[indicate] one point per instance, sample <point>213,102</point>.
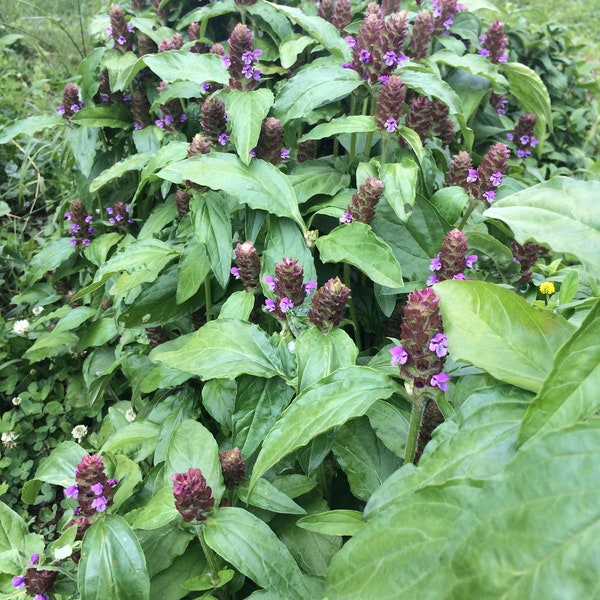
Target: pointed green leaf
<point>496,330</point>
<point>351,124</point>
<point>313,177</point>
<point>112,564</point>
<point>400,186</point>
<point>356,244</point>
<point>137,440</point>
<point>561,212</point>
<point>193,267</point>
<point>248,543</point>
<point>260,185</point>
<point>266,496</point>
<point>157,512</point>
<point>333,522</point>
<point>13,529</point>
<point>246,111</point>
<point>59,467</point>
<point>429,84</point>
<point>570,392</point>
<point>181,65</point>
<point>114,116</point>
<point>135,162</point>
<point>29,126</point>
<point>224,348</point>
<point>331,401</point>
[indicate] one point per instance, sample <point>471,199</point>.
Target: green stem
<point>384,146</point>
<point>416,416</point>
<point>470,209</point>
<point>369,139</point>
<point>207,297</point>
<point>210,559</point>
<point>353,315</point>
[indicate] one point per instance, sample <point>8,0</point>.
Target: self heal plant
<point>523,136</point>
<point>37,582</point>
<point>81,230</point>
<point>363,202</point>
<point>453,258</point>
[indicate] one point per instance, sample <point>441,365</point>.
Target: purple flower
<point>496,179</point>
<point>226,61</point>
<point>34,559</point>
<point>391,125</point>
<point>390,58</point>
<point>122,41</point>
<point>310,286</point>
<point>97,489</point>
<point>168,120</point>
<point>384,79</point>
<point>251,56</point>
<point>524,140</point>
<point>440,380</point>
<point>89,219</point>
<point>131,27</point>
<point>460,276</point>
<point>364,56</point>
<point>436,263</point>
<point>99,503</point>
<point>72,491</point>
<point>350,41</point>
<point>270,281</point>
<point>510,137</point>
<point>159,123</point>
<point>205,87</point>
<point>108,30</point>
<point>399,356</point>
<point>223,139</point>
<point>345,65</point>
<point>472,176</point>
<point>18,582</point>
<point>41,597</point>
<point>105,98</point>
<point>285,304</point>
<point>346,217</point>
<point>235,272</point>
<point>490,195</point>
<point>270,305</point>
<point>484,52</point>
<point>470,260</point>
<point>439,345</point>
<point>285,154</point>
<point>137,126</point>
<point>182,118</point>
<point>523,153</point>
<point>432,279</point>
<point>85,242</point>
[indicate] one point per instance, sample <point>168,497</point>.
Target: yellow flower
<point>547,288</point>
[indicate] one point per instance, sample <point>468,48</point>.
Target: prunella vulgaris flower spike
<point>390,6</point>
<point>389,104</point>
<point>140,107</point>
<point>363,202</point>
<point>38,582</point>
<point>430,117</point>
<point>119,214</point>
<point>121,33</point>
<point>498,102</point>
<point>395,31</point>
<point>213,119</point>
<point>306,151</point>
<point>289,281</point>
<point>329,305</point>
<point>458,170</point>
<point>443,14</point>
<point>182,202</point>
<point>70,101</point>
<point>247,267</point>
<point>452,259</point>
<point>493,43</point>
<point>270,141</point>
<point>523,136</point>
<point>92,488</point>
<point>242,57</point>
<point>490,172</point>
<point>431,419</point>
<point>423,345</point>
<point>420,36</point>
<point>232,466</point>
<point>80,231</point>
<point>342,14</point>
<point>326,9</point>
<point>193,496</point>
<point>366,54</point>
<point>527,255</point>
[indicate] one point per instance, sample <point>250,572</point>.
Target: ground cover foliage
<point>311,312</point>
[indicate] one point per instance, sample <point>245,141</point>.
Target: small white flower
<point>17,400</point>
<point>21,327</point>
<point>130,415</point>
<point>38,310</point>
<point>9,439</point>
<point>292,346</point>
<point>79,432</point>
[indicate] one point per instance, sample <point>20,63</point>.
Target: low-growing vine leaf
<point>498,331</point>
<point>260,185</point>
<point>561,212</point>
<point>246,111</point>
<point>356,244</point>
<point>224,348</point>
<point>534,531</point>
<point>570,392</point>
<point>112,564</point>
<point>331,401</point>
<point>333,522</point>
<point>313,87</point>
<point>249,544</point>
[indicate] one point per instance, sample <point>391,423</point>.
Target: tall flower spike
<point>270,141</point>
<point>289,281</point>
<point>452,259</point>
<point>70,101</point>
<point>490,171</point>
<point>342,15</point>
<point>247,267</point>
<point>93,489</point>
<point>326,9</point>
<point>420,37</point>
<point>421,338</point>
<point>443,14</point>
<point>389,104</point>
<point>241,58</point>
<point>140,107</point>
<point>493,43</point>
<point>363,202</point>
<point>527,255</point>
<point>329,305</point>
<point>366,55</point>
<point>213,119</point>
<point>81,231</point>
<point>524,135</point>
<point>119,30</point>
<point>193,496</point>
<point>395,31</point>
<point>458,170</point>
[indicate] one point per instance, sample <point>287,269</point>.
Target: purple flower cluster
<point>193,497</point>
<point>119,214</point>
<point>242,58</point>
<point>36,582</point>
<point>71,103</point>
<point>363,202</point>
<point>247,262</point>
<point>493,43</point>
<point>443,14</point>
<point>452,259</point>
<point>80,231</point>
<point>523,136</point>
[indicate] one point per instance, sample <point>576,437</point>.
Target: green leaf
<point>158,511</point>
<point>569,393</point>
<point>313,87</point>
<point>400,186</point>
<point>162,546</point>
<point>59,467</point>
<point>533,532</point>
<point>246,111</point>
<point>319,355</point>
<point>266,496</point>
<point>134,162</point>
<point>333,522</point>
<point>181,65</point>
<point>168,584</point>
<point>208,580</point>
<point>493,256</point>
<point>314,177</point>
<point>238,305</point>
<point>356,244</point>
<point>112,564</point>
<point>351,124</point>
<point>428,84</point>
<point>561,212</point>
<point>13,530</point>
<point>475,64</point>
<point>291,48</point>
<point>114,116</point>
<point>345,394</point>
<point>193,267</point>
<point>137,440</point>
<point>224,348</point>
<point>29,126</point>
<point>193,446</point>
<point>260,185</point>
<point>471,89</point>
<point>248,543</point>
<point>50,257</point>
<point>496,330</point>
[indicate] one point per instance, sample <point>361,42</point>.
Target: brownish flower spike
<point>329,305</point>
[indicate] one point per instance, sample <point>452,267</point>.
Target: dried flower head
<point>232,466</point>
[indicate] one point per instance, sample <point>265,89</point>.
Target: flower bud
<point>213,119</point>
<point>363,202</point>
<point>199,145</point>
<point>247,267</point>
<point>233,467</point>
<point>289,281</point>
<point>329,305</point>
<point>389,104</point>
<point>342,15</point>
<point>193,497</point>
<point>306,151</point>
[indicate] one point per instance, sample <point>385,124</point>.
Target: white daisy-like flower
<point>79,432</point>
<point>21,327</point>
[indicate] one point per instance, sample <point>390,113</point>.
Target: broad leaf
<point>59,467</point>
<point>112,564</point>
<point>318,176</point>
<point>29,126</point>
<point>135,162</point>
<point>356,244</point>
<point>248,543</point>
<point>224,348</point>
<point>157,512</point>
<point>561,212</point>
<point>333,522</point>
<point>570,392</point>
<point>266,496</point>
<point>113,116</point>
<point>331,401</point>
<point>400,186</point>
<point>137,440</point>
<point>181,65</point>
<point>496,330</point>
<point>13,529</point>
<point>351,124</point>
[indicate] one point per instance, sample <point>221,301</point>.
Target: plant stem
<point>470,209</point>
<point>210,558</point>
<point>207,297</point>
<point>369,139</point>
<point>353,315</point>
<point>384,146</point>
<point>416,416</point>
